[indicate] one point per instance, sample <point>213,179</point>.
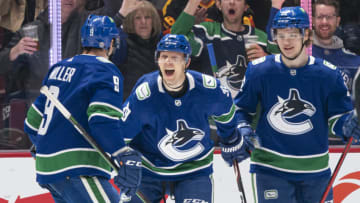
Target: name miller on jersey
<point>62,73</point>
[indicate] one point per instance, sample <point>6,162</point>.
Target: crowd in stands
<point>224,23</point>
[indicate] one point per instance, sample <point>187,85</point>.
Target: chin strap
<point>174,88</point>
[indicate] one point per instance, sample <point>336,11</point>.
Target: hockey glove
<point>129,176</point>
<point>239,145</point>
<point>351,128</point>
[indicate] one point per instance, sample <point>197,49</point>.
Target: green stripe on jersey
<point>226,117</point>
<point>104,108</point>
<point>181,169</point>
<point>33,118</point>
<point>301,164</point>
<point>95,190</point>
<point>66,160</point>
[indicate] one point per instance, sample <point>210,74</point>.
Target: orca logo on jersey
<point>284,110</point>
<point>232,75</point>
<point>183,143</point>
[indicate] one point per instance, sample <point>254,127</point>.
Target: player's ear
<point>188,63</point>
<point>111,49</point>
<point>308,37</point>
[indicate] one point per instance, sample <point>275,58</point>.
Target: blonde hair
<point>146,7</point>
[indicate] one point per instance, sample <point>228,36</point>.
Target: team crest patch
<point>143,91</point>
<point>209,82</point>
<point>281,115</point>
<point>182,143</point>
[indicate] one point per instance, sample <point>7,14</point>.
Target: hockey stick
<point>212,58</point>
<point>235,162</point>
<point>44,90</point>
<point>337,168</point>
<point>356,98</point>
<point>239,181</point>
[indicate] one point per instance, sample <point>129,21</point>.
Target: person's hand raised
<point>200,15</point>
<point>191,7</point>
<point>128,6</point>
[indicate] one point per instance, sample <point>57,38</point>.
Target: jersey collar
<point>189,77</point>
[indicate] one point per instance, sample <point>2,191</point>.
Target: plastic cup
<point>32,32</point>
<point>249,40</point>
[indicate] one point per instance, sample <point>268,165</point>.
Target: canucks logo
<point>232,75</point>
<point>183,143</point>
<point>291,108</point>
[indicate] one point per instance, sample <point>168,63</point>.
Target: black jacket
<point>139,59</point>
<point>29,70</point>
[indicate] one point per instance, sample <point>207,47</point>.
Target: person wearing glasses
<point>302,98</point>
<point>327,45</point>
<point>325,21</point>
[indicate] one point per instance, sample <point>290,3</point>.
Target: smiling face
<point>232,10</point>
<point>290,41</point>
<point>172,66</point>
<point>325,21</point>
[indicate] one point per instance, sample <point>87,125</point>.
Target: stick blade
<point>356,93</point>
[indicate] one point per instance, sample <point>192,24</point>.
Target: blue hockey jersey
<point>173,134</point>
<point>90,87</point>
<point>347,62</point>
<point>299,106</point>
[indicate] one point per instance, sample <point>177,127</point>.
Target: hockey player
<point>90,87</point>
<point>302,97</point>
<point>166,116</point>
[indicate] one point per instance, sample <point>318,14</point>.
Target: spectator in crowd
<point>326,44</point>
<point>302,99</point>
<point>141,31</point>
<point>14,13</point>
<point>207,11</point>
<point>228,40</point>
<point>23,60</point>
